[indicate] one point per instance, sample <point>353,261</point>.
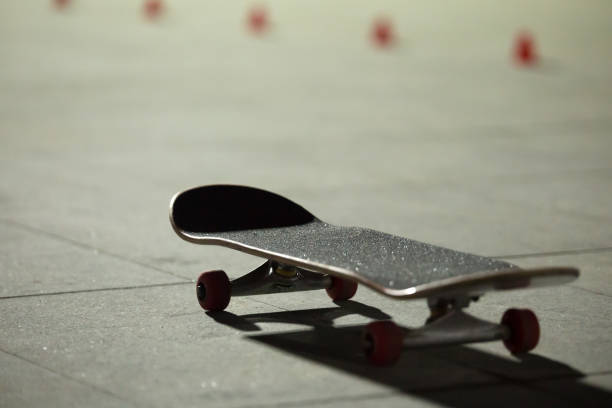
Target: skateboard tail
<point>225,208</point>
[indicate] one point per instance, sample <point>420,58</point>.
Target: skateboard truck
<point>214,289</point>
<point>448,325</point>
<point>383,341</point>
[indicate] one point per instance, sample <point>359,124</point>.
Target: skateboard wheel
<point>213,290</point>
<point>524,330</point>
<point>341,289</point>
<point>383,342</point>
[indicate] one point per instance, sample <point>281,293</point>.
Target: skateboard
<point>303,252</point>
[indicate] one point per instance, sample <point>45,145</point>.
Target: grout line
<point>68,292</point>
<point>562,376</point>
<point>139,263</point>
<point>535,384</point>
<point>186,281</point>
<point>67,377</point>
<point>592,292</point>
<point>554,253</point>
<point>530,383</point>
<point>265,303</point>
<point>88,247</point>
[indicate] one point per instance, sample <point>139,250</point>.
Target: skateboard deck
<point>270,226</point>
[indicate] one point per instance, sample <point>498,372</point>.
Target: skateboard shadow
<point>308,317</point>
<point>458,376</point>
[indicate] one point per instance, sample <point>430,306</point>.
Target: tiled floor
<point>103,116</point>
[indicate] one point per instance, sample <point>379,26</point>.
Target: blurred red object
<point>524,49</point>
<point>257,19</point>
<point>153,8</point>
<point>382,32</point>
<point>60,4</point>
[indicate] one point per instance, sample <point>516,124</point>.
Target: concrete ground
<point>104,115</point>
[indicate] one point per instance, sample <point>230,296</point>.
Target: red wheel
<point>341,289</point>
<point>524,330</point>
<point>383,342</point>
<point>213,290</point>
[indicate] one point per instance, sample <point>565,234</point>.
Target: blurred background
<point>134,100</point>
